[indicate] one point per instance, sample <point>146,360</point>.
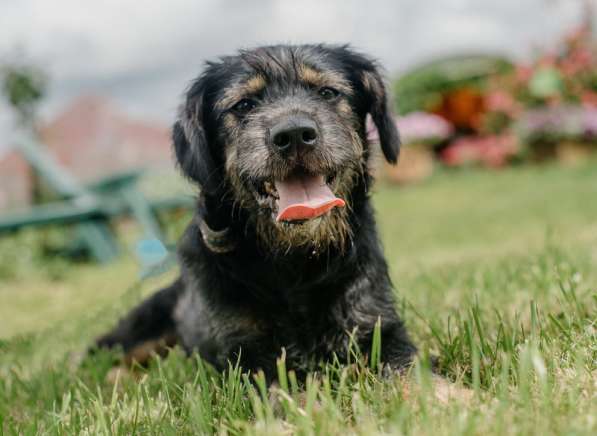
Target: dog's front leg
<point>397,350</point>
<point>147,329</point>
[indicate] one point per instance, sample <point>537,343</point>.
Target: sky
<point>142,54</point>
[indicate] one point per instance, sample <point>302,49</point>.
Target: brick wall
<point>15,182</point>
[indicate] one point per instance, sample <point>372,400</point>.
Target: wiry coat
<point>251,286</point>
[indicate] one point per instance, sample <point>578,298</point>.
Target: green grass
<point>496,274</point>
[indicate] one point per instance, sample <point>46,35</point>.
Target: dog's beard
<point>316,235</point>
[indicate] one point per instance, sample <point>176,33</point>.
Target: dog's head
<point>281,131</point>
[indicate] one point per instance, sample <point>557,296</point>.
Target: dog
<point>282,254</point>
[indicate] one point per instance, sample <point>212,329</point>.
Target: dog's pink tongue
<point>303,197</point>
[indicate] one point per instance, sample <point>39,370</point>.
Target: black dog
<point>283,251</point>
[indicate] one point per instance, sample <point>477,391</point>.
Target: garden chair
<point>89,208</point>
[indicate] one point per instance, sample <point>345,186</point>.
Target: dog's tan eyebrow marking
<point>254,85</point>
<point>319,79</point>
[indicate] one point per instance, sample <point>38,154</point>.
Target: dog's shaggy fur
<point>251,286</point>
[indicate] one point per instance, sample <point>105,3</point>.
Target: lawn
<point>496,275</point>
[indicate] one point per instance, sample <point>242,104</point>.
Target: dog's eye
<point>244,106</point>
<point>328,93</point>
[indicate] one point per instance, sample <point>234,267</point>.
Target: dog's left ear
<point>372,99</point>
<point>377,104</point>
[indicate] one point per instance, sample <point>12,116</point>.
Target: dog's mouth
<point>299,197</point>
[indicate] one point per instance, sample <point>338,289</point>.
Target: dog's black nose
<point>294,133</point>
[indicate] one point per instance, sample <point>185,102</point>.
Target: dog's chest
<point>306,332</point>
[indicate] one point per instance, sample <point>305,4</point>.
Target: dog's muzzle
<point>301,195</point>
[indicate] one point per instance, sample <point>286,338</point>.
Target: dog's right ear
<point>191,146</point>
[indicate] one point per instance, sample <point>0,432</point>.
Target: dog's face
<point>281,131</point>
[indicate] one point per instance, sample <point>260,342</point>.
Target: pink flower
<point>578,61</point>
<point>583,56</point>
<point>417,127</point>
<point>523,73</point>
<point>492,151</point>
<point>501,101</point>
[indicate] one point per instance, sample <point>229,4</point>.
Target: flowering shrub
<point>542,107</point>
<point>558,123</point>
<point>558,81</point>
<point>425,87</point>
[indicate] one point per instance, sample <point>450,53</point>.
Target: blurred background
<point>486,93</point>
